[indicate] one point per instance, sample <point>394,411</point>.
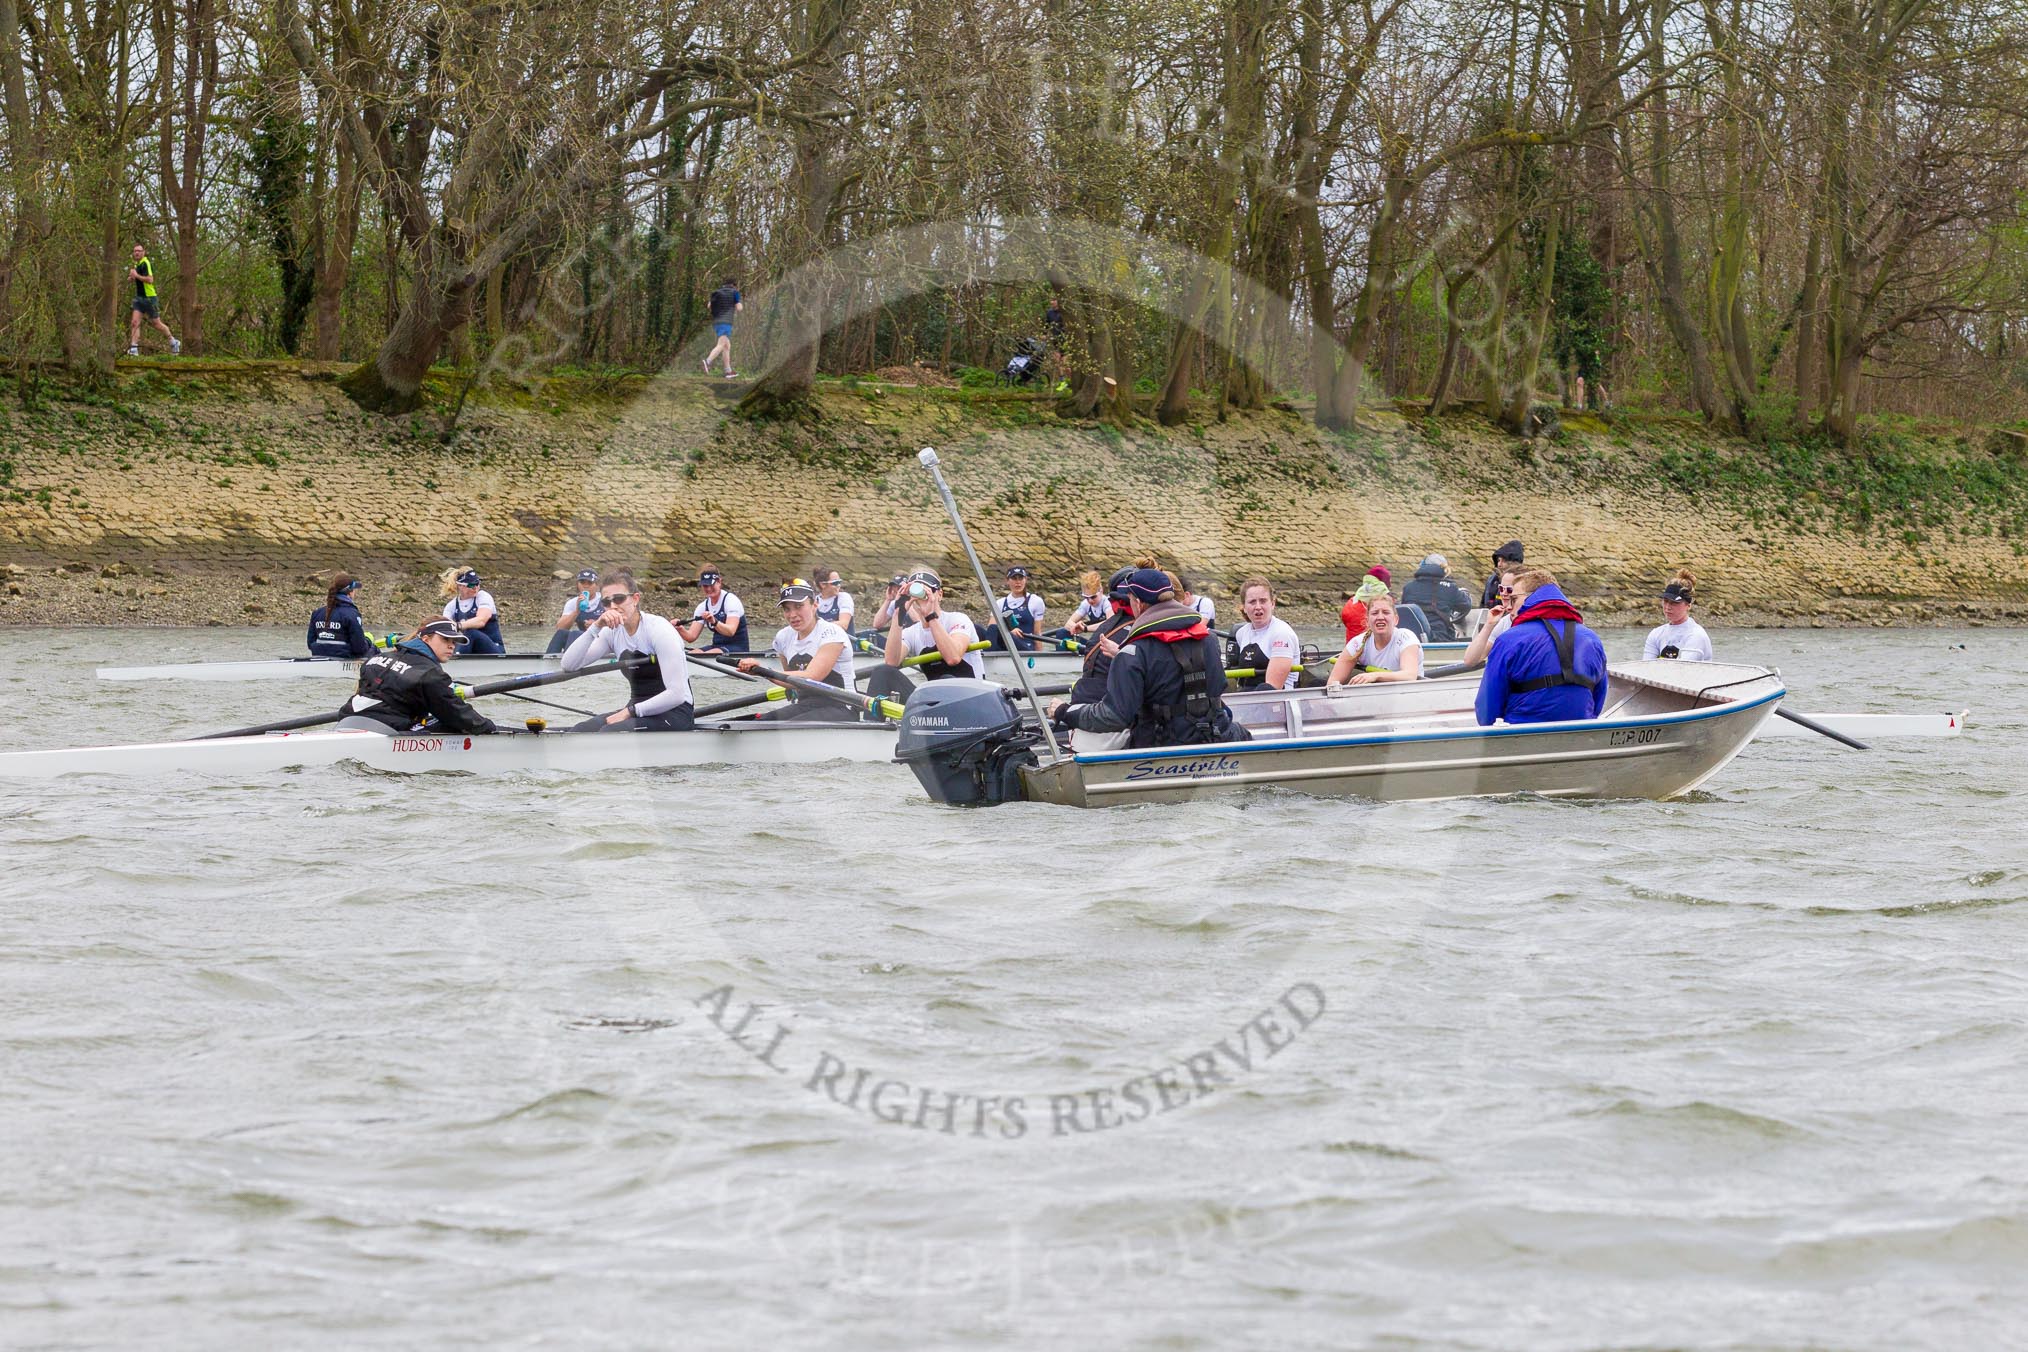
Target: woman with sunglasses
<point>1093,609</point>
<point>659,690</point>
<point>721,612</point>
<point>834,603</point>
<point>814,647</point>
<point>1499,618</point>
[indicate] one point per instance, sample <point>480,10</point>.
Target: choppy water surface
<point>341,1058</point>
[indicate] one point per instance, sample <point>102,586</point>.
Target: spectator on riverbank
<point>725,303</point>
<point>147,305</point>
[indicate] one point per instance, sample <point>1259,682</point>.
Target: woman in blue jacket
<point>335,628</point>
<point>1548,668</point>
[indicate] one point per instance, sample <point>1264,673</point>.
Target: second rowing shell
<point>999,666</point>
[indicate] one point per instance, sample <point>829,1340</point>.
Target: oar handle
<point>851,699</point>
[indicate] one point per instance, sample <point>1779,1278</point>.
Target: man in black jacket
<point>407,689</point>
<point>1165,685</point>
<point>1443,601</point>
<point>1506,556</point>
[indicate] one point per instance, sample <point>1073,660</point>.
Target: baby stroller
<point>1026,363</point>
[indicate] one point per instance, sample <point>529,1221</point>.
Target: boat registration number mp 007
<point>1633,736</point>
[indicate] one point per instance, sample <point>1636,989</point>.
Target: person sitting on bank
<point>719,612</point>
<point>578,612</point>
<point>1353,615</point>
<point>473,611</point>
<point>1499,619</point>
<point>1263,643</point>
<point>1548,668</point>
<point>1385,652</point>
<point>813,647</point>
<point>1166,685</point>
<point>335,627</point>
<point>1444,603</point>
<point>1505,559</point>
<point>406,688</point>
<point>921,626</point>
<point>1021,609</point>
<point>1679,635</point>
<point>658,690</point>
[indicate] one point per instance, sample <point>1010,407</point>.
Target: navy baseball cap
<point>469,578</point>
<point>1676,591</point>
<point>1148,584</point>
<point>587,575</point>
<point>441,629</point>
<point>1017,571</point>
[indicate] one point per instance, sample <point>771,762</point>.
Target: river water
<point>338,1058</point>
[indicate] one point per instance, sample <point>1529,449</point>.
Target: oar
<point>1814,726</point>
<point>920,659</point>
<point>499,687</point>
<point>726,706</point>
<point>851,699</point>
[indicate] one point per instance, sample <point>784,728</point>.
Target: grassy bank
<point>164,496</point>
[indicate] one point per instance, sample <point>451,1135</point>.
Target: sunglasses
<point>615,599</point>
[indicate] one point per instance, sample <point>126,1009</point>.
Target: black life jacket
<point>1202,715</point>
<point>1252,655</point>
<point>1566,648</point>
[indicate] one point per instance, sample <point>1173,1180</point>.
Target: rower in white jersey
<point>1203,605</point>
<point>946,636</point>
<point>660,690</point>
<point>1264,643</point>
<point>834,603</point>
<point>817,649</point>
<point>1681,637</point>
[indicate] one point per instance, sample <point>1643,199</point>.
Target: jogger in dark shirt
<point>724,305</point>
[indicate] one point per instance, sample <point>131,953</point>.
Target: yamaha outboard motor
<point>964,740</point>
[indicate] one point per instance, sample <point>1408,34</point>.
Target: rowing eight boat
<point>732,742</point>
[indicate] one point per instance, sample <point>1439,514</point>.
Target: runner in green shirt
<point>145,305</point>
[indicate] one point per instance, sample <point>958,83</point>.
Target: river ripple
<point>342,1058</point>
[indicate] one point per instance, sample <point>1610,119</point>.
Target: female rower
<point>335,630</point>
<point>721,611</point>
<point>1681,636</point>
<point>1022,609</point>
<point>891,604</point>
<point>1266,644</point>
<point>579,611</point>
<point>1093,609</point>
<point>922,626</point>
<point>814,647</point>
<point>406,688</point>
<point>473,611</point>
<point>834,603</point>
<point>659,689</point>
<point>1203,605</point>
<point>1385,652</point>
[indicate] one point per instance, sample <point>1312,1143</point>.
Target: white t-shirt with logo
<point>787,647</point>
<point>842,603</point>
<point>916,639</point>
<point>482,600</point>
<point>1692,644</point>
<point>1369,656</point>
<point>1277,640</point>
<point>734,612</point>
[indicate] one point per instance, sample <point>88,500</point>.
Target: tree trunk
<point>393,381</point>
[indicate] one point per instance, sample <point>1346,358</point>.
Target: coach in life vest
<point>1548,668</point>
<point>1165,685</point>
